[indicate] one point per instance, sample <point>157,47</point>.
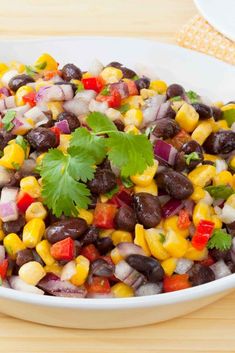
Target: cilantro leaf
<point>220,191</point>
<point>41,66</point>
<point>80,87</point>
<point>60,190</point>
<point>81,165</point>
<point>93,145</point>
<point>229,116</point>
<point>105,91</point>
<point>162,237</point>
<point>194,156</point>
<point>176,99</point>
<point>220,240</point>
<point>131,153</point>
<point>22,143</point>
<point>112,192</point>
<point>124,108</point>
<point>192,96</point>
<point>7,120</point>
<point>127,182</point>
<point>30,70</point>
<point>15,165</point>
<point>100,123</point>
<point>136,77</point>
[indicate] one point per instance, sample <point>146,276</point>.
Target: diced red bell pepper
<point>207,262</point>
<point>104,215</point>
<point>24,200</point>
<point>113,99</point>
<point>99,285</point>
<point>202,234</point>
<point>183,220</point>
<point>57,133</point>
<point>90,252</point>
<point>132,89</point>
<point>63,250</point>
<point>30,99</point>
<point>94,83</point>
<point>3,269</point>
<point>176,282</point>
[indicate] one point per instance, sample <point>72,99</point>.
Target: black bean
<point>127,73</point>
<point>190,147</point>
<point>38,258</point>
<point>93,202</point>
<point>5,137</point>
<point>200,274</point>
<point>125,219</point>
<point>231,266</point>
<point>219,254</point>
<point>20,80</point>
<point>148,210</point>
<point>166,128</point>
<point>41,139</point>
<point>102,268</point>
<point>90,236</point>
<point>114,64</point>
<point>13,226</point>
<point>175,184</point>
<point>175,90</point>
<point>71,118</point>
<point>71,72</point>
<point>72,227</point>
<point>208,163</point>
<point>24,256</point>
<point>149,267</point>
<point>143,82</point>
<point>119,124</point>
<point>104,181</point>
<point>220,142</point>
<point>104,245</point>
<point>50,122</point>
<point>231,228</point>
<point>204,111</point>
<point>217,113</point>
<point>180,162</point>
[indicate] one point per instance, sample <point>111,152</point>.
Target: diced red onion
<point>63,126</point>
<point>183,266</point>
<point>9,194</point>
<point>37,116</point>
<point>171,208</point>
<point>95,67</point>
<point>101,268</point>
<point>121,87</point>
<point>2,253</point>
<point>165,151</point>
<point>5,91</point>
<point>68,271</point>
<point>54,93</point>
<point>7,103</point>
<point>20,124</point>
<point>125,198</point>
<point>17,284</point>
<point>163,110</point>
<point>5,176</point>
<point>163,197</point>
<point>128,275</point>
<point>87,94</point>
<point>125,249</point>
<point>149,289</point>
<point>220,269</point>
<point>151,108</point>
<point>54,286</point>
<point>41,94</point>
<point>95,106</point>
<point>8,211</point>
<point>189,206</point>
<point>77,106</point>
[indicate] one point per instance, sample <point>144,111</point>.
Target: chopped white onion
<point>8,211</point>
<point>5,176</point>
<point>218,210</point>
<point>183,266</point>
<point>37,116</point>
<point>113,114</point>
<point>148,289</point>
<point>95,106</point>
<point>125,249</point>
<point>8,76</point>
<point>220,269</point>
<point>128,275</point>
<point>87,94</point>
<point>68,271</point>
<point>9,194</point>
<point>151,108</point>
<point>95,67</point>
<point>19,110</point>
<point>7,103</point>
<point>17,283</point>
<point>207,199</point>
<point>220,165</point>
<point>228,214</point>
<point>77,106</point>
<point>2,253</point>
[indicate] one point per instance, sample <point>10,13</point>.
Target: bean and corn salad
<point>112,184</point>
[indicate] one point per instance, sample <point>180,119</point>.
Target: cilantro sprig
<point>220,191</point>
<point>194,156</point>
<point>220,240</point>
<point>8,120</point>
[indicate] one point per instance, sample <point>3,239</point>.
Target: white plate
<point>173,64</point>
<point>220,14</point>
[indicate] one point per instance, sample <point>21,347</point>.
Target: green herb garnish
<point>105,91</point>
<point>80,87</point>
<point>162,237</point>
<point>22,143</point>
<point>136,77</point>
<point>220,240</point>
<point>41,66</point>
<point>194,156</point>
<point>124,108</point>
<point>7,120</point>
<point>192,96</point>
<point>229,116</point>
<point>15,165</point>
<point>176,99</point>
<point>30,70</point>
<point>112,192</point>
<point>127,182</point>
<point>220,191</point>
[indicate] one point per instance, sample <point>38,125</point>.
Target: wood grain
<point>208,330</point>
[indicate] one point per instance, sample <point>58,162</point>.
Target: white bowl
<point>195,71</point>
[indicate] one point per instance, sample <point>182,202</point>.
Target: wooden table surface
<point>208,330</point>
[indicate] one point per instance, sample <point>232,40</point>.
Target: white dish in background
<point>220,14</point>
<point>194,71</point>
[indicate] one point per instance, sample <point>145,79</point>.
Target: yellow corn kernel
<point>217,221</point>
<point>202,175</point>
<point>45,62</point>
<point>13,156</point>
<point>35,210</point>
<point>146,177</point>
<point>202,131</point>
<point>201,211</point>
<point>82,270</point>
<point>132,129</point>
<point>218,104</point>
<point>198,194</point>
<point>76,82</point>
<point>154,241</point>
<point>175,244</point>
<point>115,256</point>
<point>150,189</point>
<point>133,117</point>
<point>221,124</point>
<point>172,223</point>
<point>228,107</point>
<point>121,290</point>
<point>111,74</point>
<point>20,93</point>
<point>31,186</point>
<point>210,157</point>
<point>13,244</point>
<point>231,201</point>
<point>134,101</point>
<point>223,178</point>
<point>159,86</point>
<point>177,105</point>
<point>3,68</point>
<point>120,236</point>
<point>196,255</point>
<point>140,239</point>
<point>106,233</point>
<point>187,117</point>
<point>64,142</point>
<point>33,232</point>
<point>86,75</point>
<point>43,250</point>
<point>54,268</point>
<point>147,93</point>
<point>56,108</point>
<point>232,163</point>
<point>86,215</point>
<point>169,266</point>
<point>2,235</point>
<point>32,272</point>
